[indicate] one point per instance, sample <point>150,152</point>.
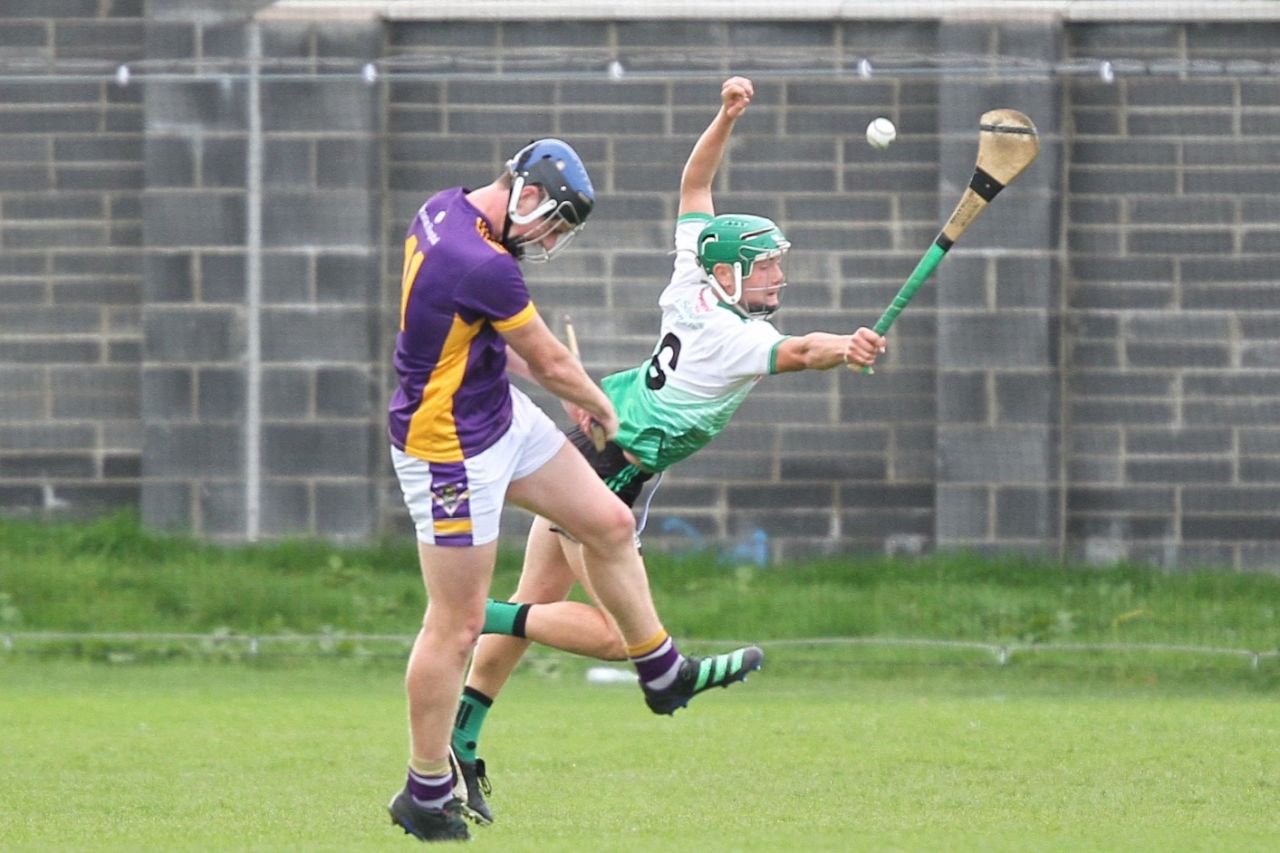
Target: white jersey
<point>707,360</point>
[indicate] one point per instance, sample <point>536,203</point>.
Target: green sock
<point>505,617</point>
<point>466,726</point>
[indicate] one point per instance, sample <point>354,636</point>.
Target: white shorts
<point>460,503</point>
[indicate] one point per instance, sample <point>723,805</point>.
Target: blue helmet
<point>553,165</point>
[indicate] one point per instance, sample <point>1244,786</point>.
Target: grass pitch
<point>811,754</point>
<point>159,745</point>
<point>111,575</point>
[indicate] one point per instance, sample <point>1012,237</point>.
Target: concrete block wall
<point>808,455</point>
<point>998,483</point>
<point>264,263</point>
<point>1171,326</point>
<point>71,259</point>
<point>1091,374</point>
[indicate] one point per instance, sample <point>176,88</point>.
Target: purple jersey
<point>459,290</point>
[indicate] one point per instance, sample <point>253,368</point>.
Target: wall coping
<point>771,10</point>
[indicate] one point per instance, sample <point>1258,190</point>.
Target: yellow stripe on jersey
<point>412,263</point>
<point>433,433</point>
<point>517,320</point>
<point>452,527</point>
<point>482,228</point>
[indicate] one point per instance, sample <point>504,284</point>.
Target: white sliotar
<point>880,133</point>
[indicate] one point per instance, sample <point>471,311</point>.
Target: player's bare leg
<point>571,626</point>
<point>544,577</point>
<point>552,564</point>
<point>577,628</point>
<point>545,580</point>
<point>547,575</point>
<point>572,496</point>
<point>583,629</point>
<point>567,492</point>
<point>457,583</point>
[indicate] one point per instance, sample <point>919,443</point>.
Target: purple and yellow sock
<point>657,661</point>
<point>430,783</point>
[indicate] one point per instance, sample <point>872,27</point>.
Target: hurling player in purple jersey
<point>464,441</point>
<point>715,343</point>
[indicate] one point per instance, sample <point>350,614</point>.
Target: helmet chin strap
<point>737,301</point>
<point>547,205</point>
<point>512,195</point>
<point>737,286</point>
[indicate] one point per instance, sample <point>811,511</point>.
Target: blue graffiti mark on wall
<point>753,548</point>
<point>680,527</point>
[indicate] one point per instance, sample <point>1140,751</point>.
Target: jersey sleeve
<point>496,291</point>
<point>686,271</point>
<point>752,351</point>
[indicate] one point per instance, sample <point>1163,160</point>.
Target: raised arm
<point>704,160</point>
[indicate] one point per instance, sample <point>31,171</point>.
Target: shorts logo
<point>448,496</point>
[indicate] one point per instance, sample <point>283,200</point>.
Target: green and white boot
<point>699,674</point>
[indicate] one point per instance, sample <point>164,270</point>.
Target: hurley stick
<point>571,337</point>
<point>1007,144</point>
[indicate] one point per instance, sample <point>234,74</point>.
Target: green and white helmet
<point>739,240</point>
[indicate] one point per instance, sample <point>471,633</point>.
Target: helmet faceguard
<point>740,240</point>
<point>567,199</point>
<point>764,311</point>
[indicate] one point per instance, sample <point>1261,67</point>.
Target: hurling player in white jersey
<point>715,344</point>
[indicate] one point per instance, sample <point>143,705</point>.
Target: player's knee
<point>470,632</point>
<point>615,527</point>
<point>456,635</point>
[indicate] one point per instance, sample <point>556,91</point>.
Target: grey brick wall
<point>71,259</point>
<point>1092,373</point>
<point>289,343</point>
<point>1170,403</point>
